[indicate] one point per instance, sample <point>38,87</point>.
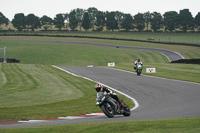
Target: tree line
<point>93,19</point>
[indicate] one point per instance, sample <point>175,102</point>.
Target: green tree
<point>19,21</point>
<point>46,22</point>
<point>66,18</point>
<point>186,21</point>
<point>120,17</point>
<point>111,21</point>
<point>86,21</point>
<point>73,22</point>
<point>147,19</point>
<point>170,20</point>
<point>100,23</point>
<point>59,21</point>
<point>92,15</point>
<point>156,21</point>
<point>3,19</point>
<point>197,20</point>
<point>139,21</point>
<point>32,22</point>
<point>127,22</point>
<point>79,16</point>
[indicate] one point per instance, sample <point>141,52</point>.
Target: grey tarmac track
<point>158,98</point>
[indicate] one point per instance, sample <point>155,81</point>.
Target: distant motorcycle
<point>110,106</point>
<point>138,68</point>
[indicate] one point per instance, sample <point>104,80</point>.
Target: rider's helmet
<point>138,59</point>
<point>98,87</point>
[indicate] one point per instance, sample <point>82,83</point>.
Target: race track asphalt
<point>158,98</point>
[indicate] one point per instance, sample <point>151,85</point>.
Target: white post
<point>4,55</point>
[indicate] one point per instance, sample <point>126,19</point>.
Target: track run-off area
<point>154,97</point>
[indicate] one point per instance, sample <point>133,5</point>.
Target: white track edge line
<point>165,56</point>
<point>133,100</point>
<point>179,54</point>
<point>156,77</point>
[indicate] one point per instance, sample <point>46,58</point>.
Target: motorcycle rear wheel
<point>127,111</point>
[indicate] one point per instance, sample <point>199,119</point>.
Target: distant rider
<point>138,61</point>
<point>101,88</point>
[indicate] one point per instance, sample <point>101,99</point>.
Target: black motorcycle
<point>110,106</point>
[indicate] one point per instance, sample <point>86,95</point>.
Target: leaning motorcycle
<point>110,106</point>
<point>139,69</point>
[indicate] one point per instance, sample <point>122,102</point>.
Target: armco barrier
<point>8,60</point>
<point>187,61</point>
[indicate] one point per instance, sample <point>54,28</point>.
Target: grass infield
<point>181,125</point>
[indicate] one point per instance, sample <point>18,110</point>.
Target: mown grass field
<point>34,89</point>
<point>187,51</point>
<point>30,91</point>
<point>191,38</point>
<point>158,37</point>
<point>181,125</point>
<point>73,55</point>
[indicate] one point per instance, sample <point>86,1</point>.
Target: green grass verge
<point>159,37</point>
<point>181,125</point>
<point>186,72</point>
<point>42,91</point>
<point>29,85</point>
<point>74,54</point>
<point>187,51</point>
<point>190,38</point>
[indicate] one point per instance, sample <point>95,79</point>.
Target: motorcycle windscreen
<point>139,66</point>
<point>99,96</point>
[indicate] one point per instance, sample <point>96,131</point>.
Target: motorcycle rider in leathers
<point>136,62</point>
<point>101,88</point>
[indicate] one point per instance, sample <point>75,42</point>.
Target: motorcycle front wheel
<point>138,73</point>
<point>108,110</point>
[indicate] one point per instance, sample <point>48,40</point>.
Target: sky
<point>52,7</point>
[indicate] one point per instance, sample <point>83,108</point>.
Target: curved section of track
<point>172,56</point>
<point>158,98</point>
